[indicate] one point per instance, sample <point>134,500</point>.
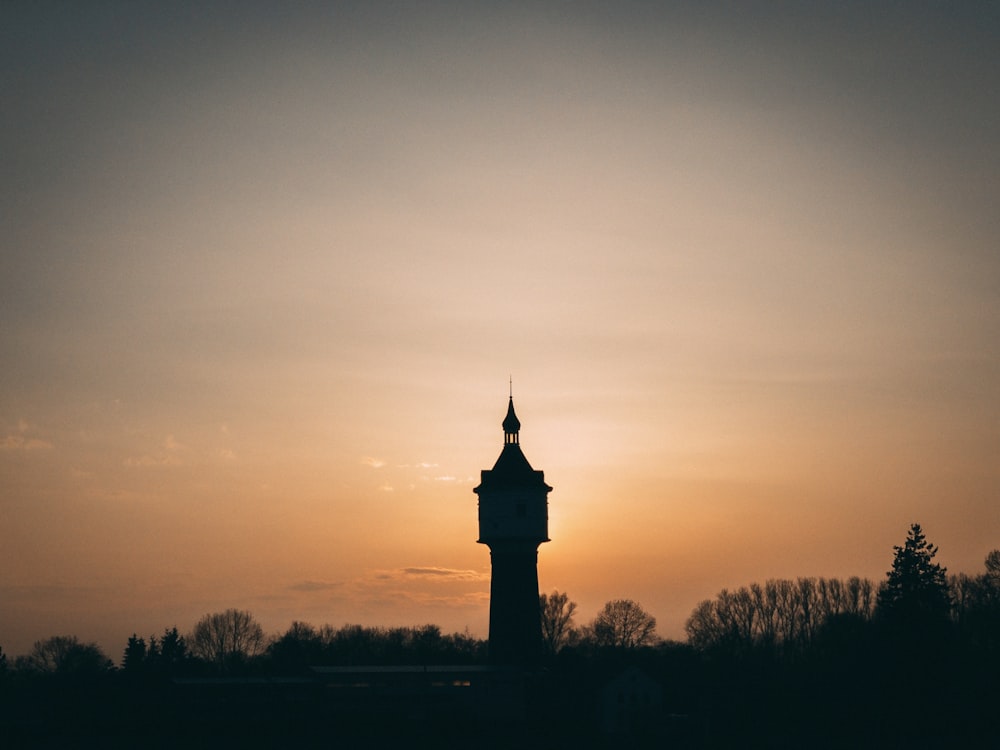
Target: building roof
<point>511,424</point>
<point>512,470</point>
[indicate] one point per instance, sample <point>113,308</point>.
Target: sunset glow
<point>265,276</point>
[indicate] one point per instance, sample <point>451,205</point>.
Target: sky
<point>268,271</point>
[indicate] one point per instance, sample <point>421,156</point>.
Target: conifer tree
<point>916,590</point>
<point>134,658</point>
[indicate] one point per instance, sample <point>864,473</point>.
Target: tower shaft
<point>515,619</point>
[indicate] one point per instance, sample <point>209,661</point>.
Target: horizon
<point>268,273</point>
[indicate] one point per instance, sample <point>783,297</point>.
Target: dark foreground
<point>665,697</point>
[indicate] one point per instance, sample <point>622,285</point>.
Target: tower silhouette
<point>513,521</point>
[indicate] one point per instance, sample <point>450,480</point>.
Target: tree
<point>358,644</point>
<point>976,601</point>
<point>623,624</point>
<point>136,653</point>
<point>300,646</point>
<point>916,589</point>
<point>782,614</point>
<point>993,567</point>
<point>915,643</point>
<point>557,621</point>
<point>64,654</point>
<point>172,652</point>
<point>227,639</point>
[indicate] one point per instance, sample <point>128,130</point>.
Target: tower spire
<point>511,424</point>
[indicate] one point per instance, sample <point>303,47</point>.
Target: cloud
<point>434,573</point>
<point>22,443</point>
<point>375,463</point>
<point>152,460</point>
<point>445,479</point>
<point>409,593</point>
<point>166,456</point>
<point>385,487</point>
<point>424,584</point>
<point>392,599</point>
<point>310,586</point>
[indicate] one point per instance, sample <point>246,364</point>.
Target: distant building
<point>513,521</point>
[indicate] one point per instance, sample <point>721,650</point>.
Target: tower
<point>513,521</point>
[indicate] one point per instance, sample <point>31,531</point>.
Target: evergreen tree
<point>916,589</point>
<point>134,658</point>
<point>915,653</point>
<point>173,651</point>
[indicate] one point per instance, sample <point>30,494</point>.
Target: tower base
<point>515,618</point>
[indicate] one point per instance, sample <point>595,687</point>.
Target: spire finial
<point>510,379</point>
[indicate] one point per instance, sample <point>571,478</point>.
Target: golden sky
<point>265,273</point>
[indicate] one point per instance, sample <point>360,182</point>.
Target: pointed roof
<point>511,424</point>
<point>513,465</point>
<point>511,471</point>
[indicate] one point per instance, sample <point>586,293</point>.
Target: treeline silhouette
<point>819,662</point>
<point>780,614</point>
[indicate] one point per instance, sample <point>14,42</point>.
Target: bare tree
<point>993,566</point>
<point>624,624</point>
<point>557,620</point>
<point>65,654</point>
<point>976,602</point>
<point>227,639</point>
<point>781,613</point>
<point>705,627</point>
